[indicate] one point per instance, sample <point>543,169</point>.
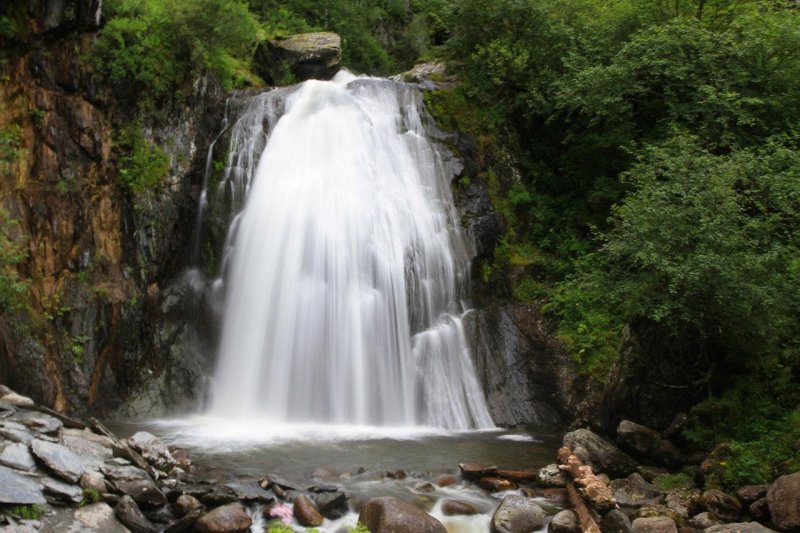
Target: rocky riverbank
<point>62,474</point>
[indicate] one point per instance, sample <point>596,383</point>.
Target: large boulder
<point>599,453</point>
<point>783,498</point>
<point>637,437</point>
<point>231,518</point>
<point>392,515</point>
<point>517,514</point>
<point>129,514</point>
<point>99,517</point>
<point>304,56</point>
<point>615,521</point>
<point>743,527</point>
<point>635,492</point>
<point>723,506</point>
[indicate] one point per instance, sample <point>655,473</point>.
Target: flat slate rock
<point>17,455</point>
<point>15,431</point>
<point>91,454</point>
<point>40,422</point>
<point>251,493</point>
<point>58,459</point>
<point>16,489</point>
<point>62,492</point>
<point>123,472</point>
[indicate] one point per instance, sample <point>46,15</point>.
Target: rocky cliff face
<point>103,309</point>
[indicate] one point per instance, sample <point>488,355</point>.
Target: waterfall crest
<point>346,271</point>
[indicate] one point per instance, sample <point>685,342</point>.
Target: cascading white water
<point>345,270</point>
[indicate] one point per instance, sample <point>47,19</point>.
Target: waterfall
<point>345,272</point>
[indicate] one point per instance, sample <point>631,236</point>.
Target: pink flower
<point>284,512</point>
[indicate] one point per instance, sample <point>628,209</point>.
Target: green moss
<point>25,512</point>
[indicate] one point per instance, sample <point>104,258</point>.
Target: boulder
<point>306,513</point>
<point>517,514</point>
<point>637,437</point>
<point>783,499</point>
<point>16,489</point>
<point>99,517</point>
<point>656,524</point>
<point>331,505</point>
<point>702,520</point>
<point>723,506</point>
<point>17,400</point>
<point>186,521</point>
<point>15,432</point>
<point>662,511</point>
<point>143,491</point>
<point>684,502</point>
<point>667,454</point>
<point>129,514</point>
<point>152,449</point>
<point>615,521</point>
<point>564,522</point>
<point>496,484</point>
<point>742,527</point>
<point>62,492</point>
<point>231,518</point>
<point>456,508</point>
<point>634,491</point>
<point>474,471</point>
<point>759,510</point>
<point>550,476</point>
<point>17,455</point>
<point>58,459</point>
<point>94,481</point>
<point>91,453</point>
<point>599,453</point>
<point>518,476</point>
<point>392,515</point>
<point>185,504</point>
<point>304,56</point>
<point>748,494</point>
<point>713,465</point>
<point>445,480</point>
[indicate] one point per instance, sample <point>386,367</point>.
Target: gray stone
<point>307,56</point>
<point>392,515</point>
<point>231,518</point>
<point>58,459</point>
<point>517,514</point>
<point>655,524</point>
<point>17,455</point>
<point>332,505</point>
<point>99,517</point>
<point>748,494</point>
<point>616,521</point>
<point>637,437</point>
<point>92,454</point>
<point>565,522</point>
<point>759,510</point>
<point>123,472</point>
<point>143,491</point>
<point>635,492</point>
<point>186,521</point>
<point>783,498</point>
<point>16,489</point>
<point>14,431</point>
<point>152,449</point>
<point>250,492</point>
<point>742,527</point>
<point>62,492</point>
<point>550,476</point>
<point>129,514</point>
<point>599,453</point>
<point>39,422</point>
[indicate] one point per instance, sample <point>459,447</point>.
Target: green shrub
<point>142,165</point>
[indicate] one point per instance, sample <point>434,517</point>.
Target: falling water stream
<point>347,272</point>
<point>344,281</point>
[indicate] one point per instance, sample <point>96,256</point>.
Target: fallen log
<point>585,516</point>
<point>596,492</point>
